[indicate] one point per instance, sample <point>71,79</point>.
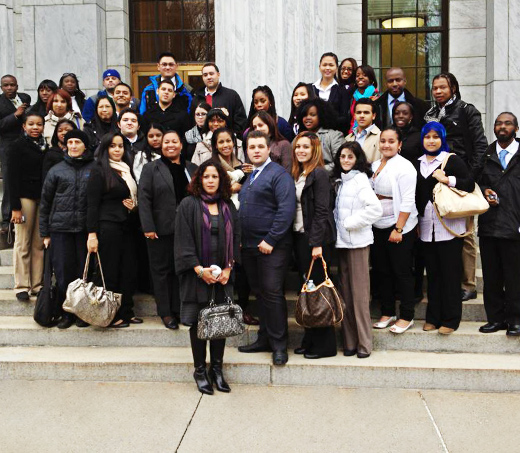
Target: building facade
<point>273,42</point>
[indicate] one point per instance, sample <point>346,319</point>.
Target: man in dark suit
<point>12,109</point>
<point>499,228</point>
<point>396,91</point>
<point>267,208</point>
<point>221,97</point>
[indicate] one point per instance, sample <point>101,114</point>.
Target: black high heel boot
<point>202,380</point>
<point>216,376</point>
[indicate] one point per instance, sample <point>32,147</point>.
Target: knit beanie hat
<point>76,133</point>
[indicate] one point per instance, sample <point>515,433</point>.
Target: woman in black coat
<point>314,231</point>
<point>207,232</point>
<point>402,116</point>
<point>103,122</point>
<point>111,222</point>
<point>25,158</point>
<point>162,186</point>
<point>63,216</point>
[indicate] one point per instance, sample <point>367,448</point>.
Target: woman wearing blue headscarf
<point>441,240</point>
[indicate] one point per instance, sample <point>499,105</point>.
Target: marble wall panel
<point>514,39</point>
<point>275,42</point>
<point>467,42</point>
<point>469,71</point>
<point>349,18</point>
<point>7,58</point>
<point>467,13</point>
<point>501,96</point>
<point>29,51</point>
<point>117,5</point>
<point>476,95</point>
<point>77,47</point>
<point>497,40</point>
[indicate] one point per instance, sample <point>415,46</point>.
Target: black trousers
<point>444,272</point>
<point>321,340</point>
<point>199,348</point>
<point>119,262</point>
<point>393,263</point>
<point>165,281</point>
<point>242,286</point>
<point>501,272</point>
<point>6,204</point>
<point>68,255</point>
<point>266,275</point>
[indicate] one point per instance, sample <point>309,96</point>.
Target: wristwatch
<point>399,230</point>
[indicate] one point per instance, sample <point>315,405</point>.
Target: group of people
<point>167,187</point>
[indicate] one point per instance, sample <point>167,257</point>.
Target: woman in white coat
<point>357,208</point>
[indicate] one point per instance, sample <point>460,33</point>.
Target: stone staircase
<point>466,360</point>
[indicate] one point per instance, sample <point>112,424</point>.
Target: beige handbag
<point>453,203</point>
<point>92,304</point>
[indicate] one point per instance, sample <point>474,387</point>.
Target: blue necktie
<point>253,176</point>
<point>502,156</point>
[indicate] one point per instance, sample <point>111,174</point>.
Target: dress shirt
<point>360,138</point>
<point>324,93</point>
<point>17,102</point>
<point>511,150</point>
<point>431,228</point>
<point>391,103</point>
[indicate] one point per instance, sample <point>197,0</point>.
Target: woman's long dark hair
<point>78,93</point>
<point>294,110</point>
<point>100,126</point>
<point>102,157</point>
<point>274,133</point>
<point>326,114</point>
<point>41,106</point>
<point>54,139</point>
<point>224,186</point>
<point>148,150</point>
<point>369,72</point>
<point>361,164</point>
<point>212,113</point>
<point>351,80</point>
<point>214,138</point>
<point>272,105</point>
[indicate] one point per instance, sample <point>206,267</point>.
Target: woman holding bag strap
<point>442,249</point>
<point>313,231</point>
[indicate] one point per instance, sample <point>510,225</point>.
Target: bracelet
<point>200,273</point>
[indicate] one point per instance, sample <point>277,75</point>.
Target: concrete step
<point>6,257</point>
<point>23,331</point>
<point>385,369</point>
<point>6,277</point>
<point>472,310</point>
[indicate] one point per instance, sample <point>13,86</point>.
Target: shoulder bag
<point>92,304</point>
<point>321,306</point>
<point>47,309</point>
<point>218,321</point>
<point>452,203</point>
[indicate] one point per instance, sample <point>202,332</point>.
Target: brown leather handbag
<point>320,306</point>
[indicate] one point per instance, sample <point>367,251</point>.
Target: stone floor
<point>64,416</point>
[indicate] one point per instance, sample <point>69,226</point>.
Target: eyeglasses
<point>201,114</point>
<point>165,65</point>
<point>346,69</point>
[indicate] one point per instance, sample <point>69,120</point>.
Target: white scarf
<point>124,169</point>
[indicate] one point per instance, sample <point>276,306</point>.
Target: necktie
<point>502,156</point>
<point>209,99</point>
<point>253,176</point>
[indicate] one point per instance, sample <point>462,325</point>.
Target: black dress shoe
<point>217,378</point>
<point>513,330</point>
<point>299,351</point>
<point>467,295</point>
<point>309,355</point>
<point>349,352</point>
<point>66,322</point>
<point>170,322</point>
<point>23,296</point>
<point>81,323</point>
<point>255,347</point>
<point>120,325</point>
<point>135,320</point>
<point>491,327</point>
<point>363,355</point>
<point>201,379</point>
<point>280,358</point>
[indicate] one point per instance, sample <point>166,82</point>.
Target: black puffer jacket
<point>63,205</point>
<point>465,132</point>
<point>502,221</point>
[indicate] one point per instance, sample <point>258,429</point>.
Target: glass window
<point>411,34</point>
<point>184,27</point>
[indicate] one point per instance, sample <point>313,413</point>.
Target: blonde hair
<point>316,159</point>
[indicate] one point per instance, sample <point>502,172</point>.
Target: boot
<point>202,381</point>
<point>66,321</point>
<point>217,378</point>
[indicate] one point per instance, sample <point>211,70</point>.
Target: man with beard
<point>499,228</point>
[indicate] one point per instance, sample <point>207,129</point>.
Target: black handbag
<point>218,321</point>
<point>47,309</point>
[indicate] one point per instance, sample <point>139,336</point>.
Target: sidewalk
<point>57,416</point>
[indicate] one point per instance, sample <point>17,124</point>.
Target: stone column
<point>118,37</point>
<point>503,64</point>
<point>7,38</point>
<point>272,42</point>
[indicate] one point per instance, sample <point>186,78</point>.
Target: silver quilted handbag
<point>92,304</point>
<point>218,321</point>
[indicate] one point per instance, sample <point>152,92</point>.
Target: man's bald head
<point>395,81</point>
